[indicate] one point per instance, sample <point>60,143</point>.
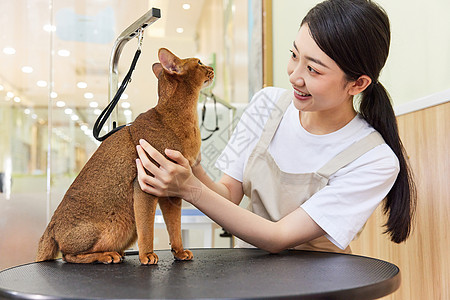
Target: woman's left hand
<point>170,179</point>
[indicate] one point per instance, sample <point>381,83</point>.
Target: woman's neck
<point>325,122</point>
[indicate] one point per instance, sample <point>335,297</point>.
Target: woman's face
<point>319,84</point>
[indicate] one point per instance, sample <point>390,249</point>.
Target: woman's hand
<point>169,179</point>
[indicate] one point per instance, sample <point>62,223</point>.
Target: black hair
<point>356,35</point>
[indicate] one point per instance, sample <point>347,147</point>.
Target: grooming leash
<point>101,120</point>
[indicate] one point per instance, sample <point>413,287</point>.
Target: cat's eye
<point>200,63</point>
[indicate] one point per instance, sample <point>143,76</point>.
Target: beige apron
<point>274,194</point>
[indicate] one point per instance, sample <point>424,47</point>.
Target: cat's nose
<point>211,73</point>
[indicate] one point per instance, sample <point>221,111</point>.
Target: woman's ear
<point>359,85</point>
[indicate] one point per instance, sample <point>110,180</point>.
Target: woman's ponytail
<point>400,203</point>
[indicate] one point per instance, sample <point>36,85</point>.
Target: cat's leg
<point>144,213</point>
<point>171,209</point>
<point>102,257</point>
<point>118,234</point>
<point>79,244</point>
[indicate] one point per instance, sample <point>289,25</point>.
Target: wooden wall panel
<point>424,259</point>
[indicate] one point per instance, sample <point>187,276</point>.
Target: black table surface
<point>213,273</point>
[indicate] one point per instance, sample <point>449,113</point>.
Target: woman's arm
<point>177,180</point>
<point>227,186</point>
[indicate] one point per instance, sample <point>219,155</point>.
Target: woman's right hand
<point>171,178</point>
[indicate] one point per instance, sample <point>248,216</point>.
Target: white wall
<point>419,59</point>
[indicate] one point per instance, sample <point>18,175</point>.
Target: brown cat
<point>105,210</point>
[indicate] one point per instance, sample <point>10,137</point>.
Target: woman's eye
<point>312,70</point>
<point>293,54</point>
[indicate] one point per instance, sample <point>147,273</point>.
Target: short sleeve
<point>353,193</point>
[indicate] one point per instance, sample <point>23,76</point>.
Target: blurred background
<point>54,73</point>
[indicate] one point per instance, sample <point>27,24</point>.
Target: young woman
<point>313,167</point>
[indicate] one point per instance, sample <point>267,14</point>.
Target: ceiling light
<point>97,111</point>
<point>180,30</point>
<point>186,6</point>
<point>68,111</point>
<point>34,116</point>
<point>74,118</point>
<point>60,103</point>
<point>53,95</point>
<point>9,50</point>
<point>49,27</point>
<point>27,111</point>
<point>93,104</point>
<point>16,99</point>
<point>41,83</point>
<point>124,96</point>
<point>64,53</point>
<point>10,94</point>
<point>127,112</point>
<point>125,104</point>
<point>82,85</point>
<point>88,95</point>
<point>84,127</point>
<point>1,87</point>
<point>27,69</point>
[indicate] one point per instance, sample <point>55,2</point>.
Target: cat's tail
<point>48,248</point>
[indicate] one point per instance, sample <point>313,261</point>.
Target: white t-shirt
<point>343,206</point>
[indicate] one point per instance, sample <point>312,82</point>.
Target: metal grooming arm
<point>232,110</point>
<point>131,32</point>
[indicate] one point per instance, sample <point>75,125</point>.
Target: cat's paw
<point>148,258</point>
<point>182,255</point>
<point>110,258</point>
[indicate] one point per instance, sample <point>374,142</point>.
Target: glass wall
<point>54,75</point>
<point>24,95</point>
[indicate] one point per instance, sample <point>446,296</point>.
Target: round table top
<point>213,273</point>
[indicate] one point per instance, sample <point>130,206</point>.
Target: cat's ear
<point>157,69</point>
<point>169,61</point>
